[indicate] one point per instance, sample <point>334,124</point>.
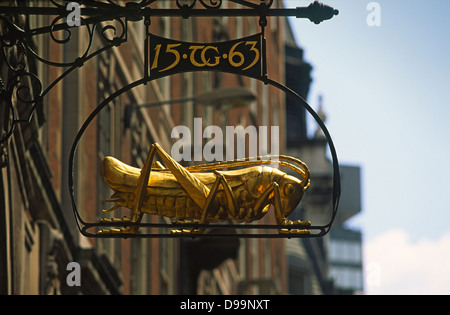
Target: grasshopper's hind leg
<point>199,193</point>
<point>140,191</point>
<point>196,189</point>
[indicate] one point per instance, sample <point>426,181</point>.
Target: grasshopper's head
<point>291,192</point>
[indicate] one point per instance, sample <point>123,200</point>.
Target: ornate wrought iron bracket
<point>93,13</point>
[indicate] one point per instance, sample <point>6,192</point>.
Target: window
<point>347,277</point>
<point>345,251</point>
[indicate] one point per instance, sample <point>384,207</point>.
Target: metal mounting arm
<point>100,11</point>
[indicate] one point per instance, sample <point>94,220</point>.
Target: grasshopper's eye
<point>288,189</point>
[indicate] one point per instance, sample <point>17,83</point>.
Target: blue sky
<point>386,95</point>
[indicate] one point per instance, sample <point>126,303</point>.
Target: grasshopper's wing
<point>293,163</point>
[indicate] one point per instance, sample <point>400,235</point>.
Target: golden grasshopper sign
<point>206,193</point>
<point>242,56</point>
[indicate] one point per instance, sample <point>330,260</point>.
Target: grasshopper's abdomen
<point>181,206</point>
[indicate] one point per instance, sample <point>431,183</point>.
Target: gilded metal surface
<point>203,194</point>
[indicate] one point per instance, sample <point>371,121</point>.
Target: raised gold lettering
<point>194,48</point>
<point>234,53</point>
<point>170,49</point>
<point>207,61</point>
<point>253,48</point>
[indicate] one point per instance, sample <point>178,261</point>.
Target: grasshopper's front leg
<point>280,217</point>
<point>212,202</point>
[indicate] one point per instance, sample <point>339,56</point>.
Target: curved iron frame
<point>99,11</point>
<point>322,230</point>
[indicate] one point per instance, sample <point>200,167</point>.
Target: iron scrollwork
<point>212,3</point>
<point>216,4</point>
<point>18,51</point>
<point>209,4</point>
<point>108,19</point>
<point>22,87</point>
